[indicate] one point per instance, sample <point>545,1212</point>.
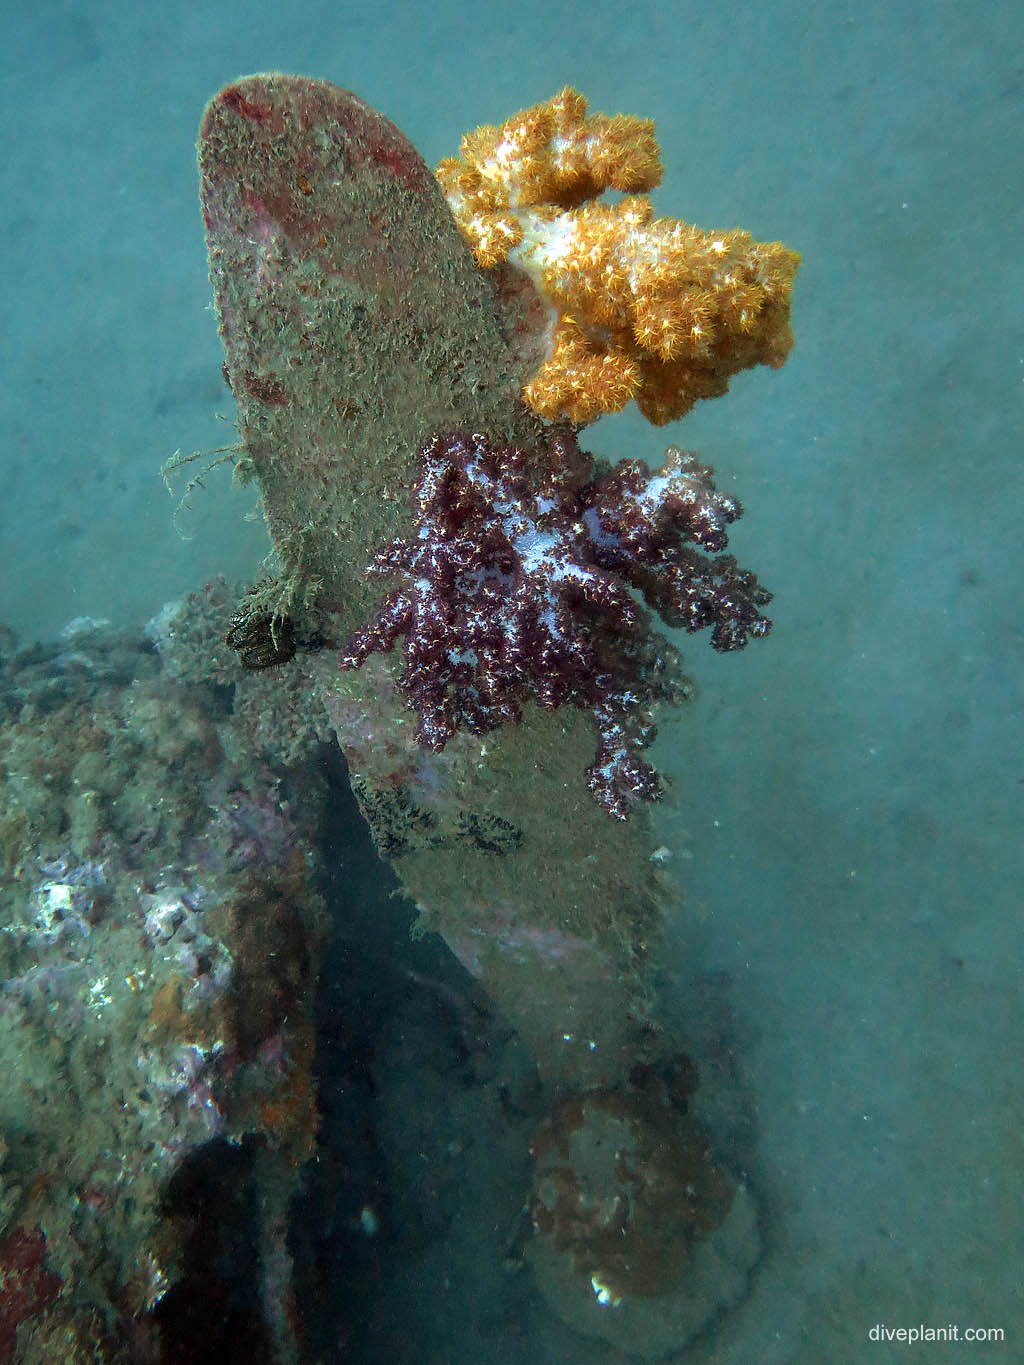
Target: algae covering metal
<point>356,324</point>
<point>150,1047</point>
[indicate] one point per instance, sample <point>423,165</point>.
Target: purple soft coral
<point>518,586</point>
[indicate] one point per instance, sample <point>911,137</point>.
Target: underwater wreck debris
<point>357,326</point>
<point>517,586</point>
<point>645,308</point>
<point>147,1025</point>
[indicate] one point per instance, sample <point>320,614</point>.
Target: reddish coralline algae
<point>518,587</point>
<point>640,1235</point>
<point>26,1285</point>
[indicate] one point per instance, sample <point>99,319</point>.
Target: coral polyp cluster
<point>552,154</point>
<point>649,309</point>
<point>517,587</point>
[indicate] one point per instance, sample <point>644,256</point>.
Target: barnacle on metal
<point>261,638</point>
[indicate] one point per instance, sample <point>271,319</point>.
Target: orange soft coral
<point>644,308</point>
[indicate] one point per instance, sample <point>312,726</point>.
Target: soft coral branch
<point>517,586</point>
